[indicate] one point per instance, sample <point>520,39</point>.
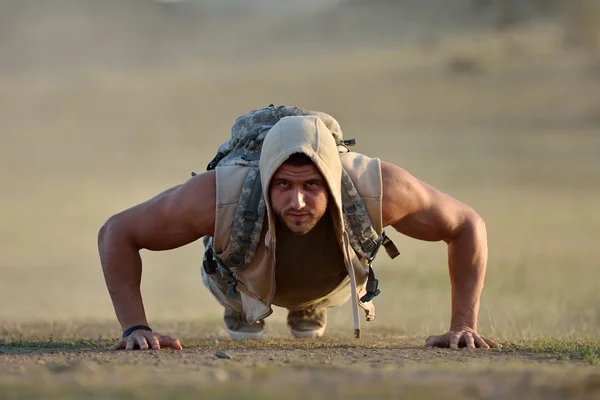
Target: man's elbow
<point>474,223</point>
<point>112,228</point>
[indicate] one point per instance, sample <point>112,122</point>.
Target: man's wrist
<point>463,320</point>
<point>463,327</point>
<point>129,331</point>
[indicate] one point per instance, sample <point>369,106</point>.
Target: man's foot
<point>239,329</point>
<point>308,323</point>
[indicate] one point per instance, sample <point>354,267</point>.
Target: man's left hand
<point>461,337</point>
<point>147,340</point>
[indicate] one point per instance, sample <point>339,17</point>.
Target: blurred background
<point>106,103</point>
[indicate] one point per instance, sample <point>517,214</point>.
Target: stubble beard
<point>293,227</point>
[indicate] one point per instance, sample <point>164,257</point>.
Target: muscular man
<point>304,261</point>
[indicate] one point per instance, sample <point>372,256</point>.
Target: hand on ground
<point>146,340</point>
<point>461,337</point>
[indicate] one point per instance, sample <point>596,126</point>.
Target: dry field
<point>508,122</point>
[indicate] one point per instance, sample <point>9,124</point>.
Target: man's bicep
<point>173,218</point>
<point>418,210</point>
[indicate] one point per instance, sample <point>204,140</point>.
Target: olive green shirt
<point>309,266</point>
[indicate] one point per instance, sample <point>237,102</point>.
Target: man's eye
<point>313,185</point>
<point>283,184</point>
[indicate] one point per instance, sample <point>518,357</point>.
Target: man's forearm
<point>122,267</point>
<point>467,257</point>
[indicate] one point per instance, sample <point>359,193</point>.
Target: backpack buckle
<point>209,263</point>
<point>371,247</point>
<point>372,290</point>
<point>232,288</point>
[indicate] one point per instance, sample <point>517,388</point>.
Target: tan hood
<point>308,135</point>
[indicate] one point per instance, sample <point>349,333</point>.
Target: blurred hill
<point>53,35</point>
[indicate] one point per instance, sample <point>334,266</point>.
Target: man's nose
<point>298,200</point>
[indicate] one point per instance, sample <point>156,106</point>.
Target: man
<point>304,261</point>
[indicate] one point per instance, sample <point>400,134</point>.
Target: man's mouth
<point>298,217</point>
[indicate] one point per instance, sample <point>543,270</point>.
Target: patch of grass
<point>576,349</point>
<point>32,344</point>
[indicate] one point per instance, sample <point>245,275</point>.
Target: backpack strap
<point>363,238</point>
<point>247,224</point>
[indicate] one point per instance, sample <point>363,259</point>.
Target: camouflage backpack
<point>244,148</point>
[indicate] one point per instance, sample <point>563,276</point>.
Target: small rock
<point>2,351</point>
<point>222,354</point>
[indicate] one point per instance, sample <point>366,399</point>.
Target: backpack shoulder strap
<point>247,224</point>
<point>363,238</point>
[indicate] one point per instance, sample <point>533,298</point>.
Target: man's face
<point>299,196</point>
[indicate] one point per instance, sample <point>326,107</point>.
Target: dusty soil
<point>380,365</point>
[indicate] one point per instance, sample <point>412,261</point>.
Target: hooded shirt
<point>336,259</point>
<point>299,281</point>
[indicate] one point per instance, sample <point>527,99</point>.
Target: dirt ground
<point>94,120</point>
<point>382,365</point>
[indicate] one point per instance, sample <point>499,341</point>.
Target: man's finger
<point>469,341</point>
<point>119,345</point>
<point>454,339</point>
<point>430,341</point>
<point>479,342</point>
<point>130,343</point>
<point>168,341</point>
<point>434,341</point>
<point>153,341</point>
<point>491,343</point>
<point>141,341</point>
<point>177,345</point>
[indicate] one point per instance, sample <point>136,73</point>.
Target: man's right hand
<point>169,220</point>
<point>147,340</point>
